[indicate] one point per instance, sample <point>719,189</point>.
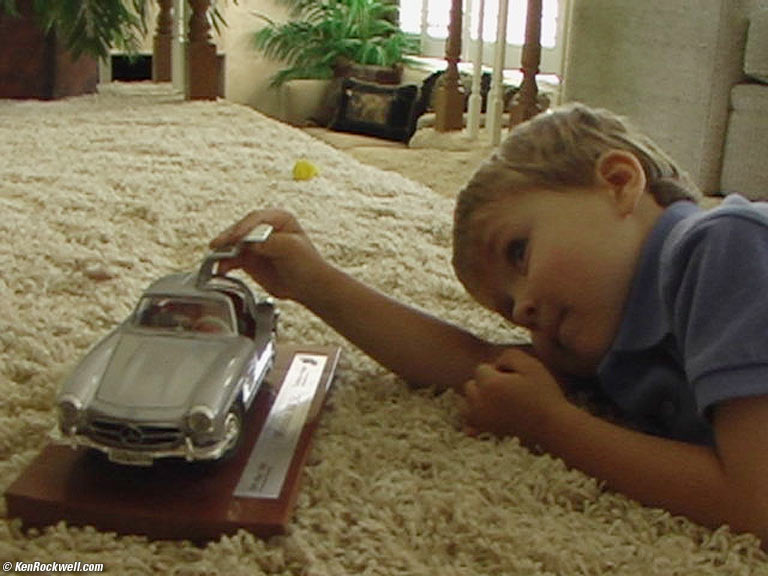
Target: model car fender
<point>84,380</point>
<point>222,381</point>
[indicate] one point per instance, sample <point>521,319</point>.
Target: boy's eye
<point>517,252</point>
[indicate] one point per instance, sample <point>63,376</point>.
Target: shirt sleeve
<point>718,304</point>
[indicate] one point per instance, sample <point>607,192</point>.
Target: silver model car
<point>175,378</point>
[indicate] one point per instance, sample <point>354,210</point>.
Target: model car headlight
<point>200,420</point>
<point>70,412</point>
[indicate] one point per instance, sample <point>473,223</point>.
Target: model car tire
<point>233,425</point>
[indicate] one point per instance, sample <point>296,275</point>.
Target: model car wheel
<point>233,429</point>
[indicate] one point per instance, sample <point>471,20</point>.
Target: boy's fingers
<point>469,391</point>
<point>278,219</point>
<point>484,372</point>
<point>517,360</point>
<point>493,374</point>
<point>228,236</point>
<point>237,231</point>
<point>224,266</point>
<point>465,409</point>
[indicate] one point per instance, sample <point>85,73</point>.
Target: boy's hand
<point>284,264</point>
<point>516,395</point>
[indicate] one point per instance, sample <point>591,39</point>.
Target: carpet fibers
<point>99,195</point>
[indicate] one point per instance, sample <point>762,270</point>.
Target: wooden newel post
<point>161,50</point>
<point>526,104</point>
<point>449,97</point>
<point>202,67</point>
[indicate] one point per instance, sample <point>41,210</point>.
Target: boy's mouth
<point>549,338</point>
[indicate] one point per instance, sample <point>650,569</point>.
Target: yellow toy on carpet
<point>304,170</point>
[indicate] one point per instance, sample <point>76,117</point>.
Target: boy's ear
<point>621,172</point>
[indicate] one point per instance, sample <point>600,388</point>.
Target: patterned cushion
<point>376,110</point>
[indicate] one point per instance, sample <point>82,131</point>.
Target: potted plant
<point>325,37</point>
<point>50,47</point>
<point>85,27</point>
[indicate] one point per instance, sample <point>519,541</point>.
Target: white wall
<point>669,66</point>
<point>247,72</point>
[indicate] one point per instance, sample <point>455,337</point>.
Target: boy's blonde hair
<point>558,150</point>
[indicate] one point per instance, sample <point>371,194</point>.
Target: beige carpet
<point>444,162</point>
<point>100,195</point>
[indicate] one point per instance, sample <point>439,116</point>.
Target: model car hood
<point>148,371</point>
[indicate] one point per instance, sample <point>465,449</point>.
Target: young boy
<point>583,231</point>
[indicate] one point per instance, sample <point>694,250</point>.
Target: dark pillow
<point>376,110</point>
<point>426,101</point>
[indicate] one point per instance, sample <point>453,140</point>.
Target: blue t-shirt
<point>695,327</point>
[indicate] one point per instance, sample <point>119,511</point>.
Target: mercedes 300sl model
<point>176,377</point>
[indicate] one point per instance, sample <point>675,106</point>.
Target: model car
<point>176,377</point>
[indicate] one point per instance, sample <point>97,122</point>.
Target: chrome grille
<point>136,436</point>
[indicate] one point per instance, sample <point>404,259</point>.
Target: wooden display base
<point>173,499</point>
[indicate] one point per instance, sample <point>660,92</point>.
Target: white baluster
<point>424,24</point>
<point>495,109</point>
<point>476,98</point>
<point>179,46</point>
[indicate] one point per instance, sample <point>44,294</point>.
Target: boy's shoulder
<point>737,225</point>
<point>716,261</point>
<point>733,209</point>
<point>694,325</point>
<point>713,285</point>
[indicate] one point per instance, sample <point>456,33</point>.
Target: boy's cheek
<point>566,262</point>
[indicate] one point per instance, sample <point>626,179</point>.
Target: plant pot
<point>391,75</point>
<point>305,102</point>
<point>35,65</point>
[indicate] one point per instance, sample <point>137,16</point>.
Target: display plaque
<point>175,499</point>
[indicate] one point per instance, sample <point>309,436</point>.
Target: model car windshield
<point>184,315</point>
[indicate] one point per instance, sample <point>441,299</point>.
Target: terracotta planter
<point>33,65</point>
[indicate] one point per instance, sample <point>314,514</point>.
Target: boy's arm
<point>741,429</point>
<point>712,486</point>
<point>420,348</point>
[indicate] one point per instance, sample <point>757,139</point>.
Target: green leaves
<point>95,26</point>
<point>323,32</point>
<point>90,26</point>
<point>9,7</point>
